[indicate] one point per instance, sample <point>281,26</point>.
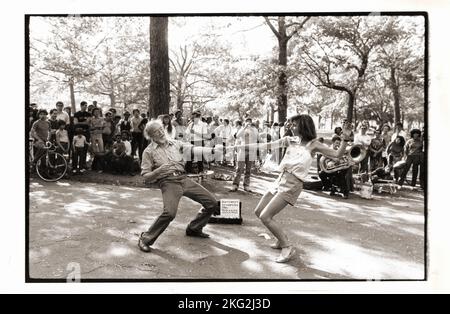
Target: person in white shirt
<point>196,134</point>
<point>224,134</point>
<point>398,131</point>
<point>363,139</point>
<point>60,114</point>
<point>246,156</point>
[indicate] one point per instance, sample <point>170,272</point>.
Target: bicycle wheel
<point>51,167</point>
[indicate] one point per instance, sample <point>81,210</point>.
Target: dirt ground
<point>96,226</point>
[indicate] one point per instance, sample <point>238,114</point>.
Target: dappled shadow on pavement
<point>98,226</point>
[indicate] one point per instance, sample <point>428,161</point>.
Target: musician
<point>163,164</point>
<point>338,178</point>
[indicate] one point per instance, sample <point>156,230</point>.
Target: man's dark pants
<point>173,188</point>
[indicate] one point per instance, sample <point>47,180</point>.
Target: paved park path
<point>97,226</point>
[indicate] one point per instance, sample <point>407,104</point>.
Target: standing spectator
<point>62,138</point>
<point>376,149</point>
<point>79,153</point>
<point>423,163</point>
<point>90,108</point>
<point>60,114</point>
<point>224,134</point>
<point>70,127</point>
<point>96,128</point>
<point>258,125</point>
<point>168,127</point>
<point>275,136</point>
<point>125,124</point>
<point>398,130</point>
<point>396,151</point>
<point>53,125</point>
<point>40,132</point>
<point>362,138</point>
<point>179,124</point>
<point>116,122</point>
<point>82,120</point>
<point>136,134</point>
<point>414,157</point>
<point>108,131</point>
<point>386,136</point>
<point>246,155</point>
<point>142,128</point>
<point>196,133</point>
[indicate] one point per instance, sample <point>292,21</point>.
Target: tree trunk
<point>72,96</point>
<point>159,67</point>
<point>180,99</point>
<point>350,106</point>
<point>112,99</point>
<point>396,93</point>
<point>282,77</point>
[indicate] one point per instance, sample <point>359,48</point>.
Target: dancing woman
<point>294,167</point>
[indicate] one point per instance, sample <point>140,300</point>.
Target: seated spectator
<point>121,163</point>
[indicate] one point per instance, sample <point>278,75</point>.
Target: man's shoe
<point>142,246</point>
<point>234,188</point>
<point>198,234</point>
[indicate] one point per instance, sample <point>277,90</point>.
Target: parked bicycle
<point>51,166</point>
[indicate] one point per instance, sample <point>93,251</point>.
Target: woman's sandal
<point>283,258</point>
<point>276,246</point>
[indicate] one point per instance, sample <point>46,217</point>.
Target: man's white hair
<point>150,126</point>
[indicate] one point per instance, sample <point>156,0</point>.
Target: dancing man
<point>163,164</point>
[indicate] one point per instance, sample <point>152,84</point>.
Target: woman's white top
<point>297,159</point>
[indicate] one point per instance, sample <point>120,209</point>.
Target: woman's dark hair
<point>61,122</point>
<point>415,131</point>
<point>226,121</point>
<point>306,127</point>
<point>136,110</point>
<point>169,124</point>
<point>337,130</point>
<point>95,109</point>
<point>239,122</point>
<point>402,140</point>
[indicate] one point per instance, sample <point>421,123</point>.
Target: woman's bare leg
<point>267,197</point>
<point>276,204</point>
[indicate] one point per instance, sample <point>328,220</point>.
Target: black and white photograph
<point>238,155</point>
<point>226,147</point>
